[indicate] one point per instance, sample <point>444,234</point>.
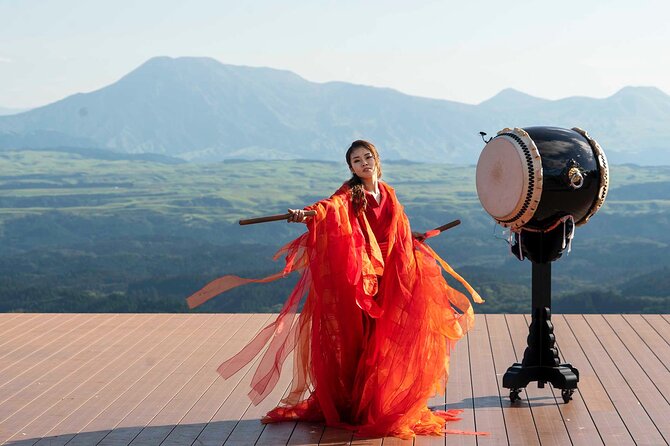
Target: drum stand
<point>540,360</point>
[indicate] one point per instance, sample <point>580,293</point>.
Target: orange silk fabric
<point>372,342</point>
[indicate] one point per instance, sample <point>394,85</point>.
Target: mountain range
<point>198,109</point>
<point>10,111</point>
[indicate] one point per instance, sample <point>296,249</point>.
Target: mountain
<point>511,98</point>
<point>200,109</point>
<point>11,111</point>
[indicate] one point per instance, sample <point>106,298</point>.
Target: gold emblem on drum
<point>576,178</point>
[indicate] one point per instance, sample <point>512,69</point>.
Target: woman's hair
<point>357,194</point>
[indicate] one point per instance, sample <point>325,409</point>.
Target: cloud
<point>5,59</point>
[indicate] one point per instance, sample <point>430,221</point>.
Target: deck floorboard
<point>150,379</point>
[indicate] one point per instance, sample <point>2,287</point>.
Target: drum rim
<point>603,168</point>
<point>529,152</point>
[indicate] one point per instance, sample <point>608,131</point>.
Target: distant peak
<point>161,64</point>
<point>511,91</point>
<point>643,91</point>
<point>510,96</point>
<point>167,60</point>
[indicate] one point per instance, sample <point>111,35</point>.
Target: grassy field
<point>96,232</point>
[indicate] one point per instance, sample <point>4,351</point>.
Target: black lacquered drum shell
<point>561,149</point>
<point>533,177</point>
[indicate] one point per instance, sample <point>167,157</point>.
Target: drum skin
<point>530,178</point>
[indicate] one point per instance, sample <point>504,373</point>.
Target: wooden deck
<point>150,379</point>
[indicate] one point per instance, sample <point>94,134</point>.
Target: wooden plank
<point>459,394</point>
<point>334,436</point>
<point>355,441</point>
<point>655,330</point>
<point>275,433</point>
<point>519,423</point>
<point>308,433</point>
<point>249,427</point>
<point>143,425</point>
<point>281,433</point>
<point>6,318</point>
<point>219,408</point>
<point>644,326</point>
<point>155,371</point>
<point>488,410</point>
<point>81,387</point>
<point>158,429</point>
<point>388,441</point>
<point>581,427</point>
<point>243,424</point>
<point>8,321</point>
<point>18,326</point>
<point>638,423</point>
<point>649,355</point>
<point>105,387</point>
<point>49,372</point>
<point>47,355</point>
<point>620,347</point>
<point>80,380</point>
<point>590,396</point>
<point>61,399</point>
<point>229,415</point>
<point>549,422</point>
<point>141,416</point>
<point>13,343</point>
<point>33,394</point>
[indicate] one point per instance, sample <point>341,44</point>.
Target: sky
<point>464,51</point>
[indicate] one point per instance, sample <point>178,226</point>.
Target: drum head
<point>509,178</point>
<point>500,179</point>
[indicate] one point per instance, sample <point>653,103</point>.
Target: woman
<point>373,339</point>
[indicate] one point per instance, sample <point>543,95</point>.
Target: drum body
<point>532,177</point>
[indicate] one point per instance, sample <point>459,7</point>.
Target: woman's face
<point>363,163</point>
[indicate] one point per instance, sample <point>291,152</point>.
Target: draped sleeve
<point>344,246</point>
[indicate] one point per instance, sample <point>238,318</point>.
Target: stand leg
<point>540,360</point>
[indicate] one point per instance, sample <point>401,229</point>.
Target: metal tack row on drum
<point>531,177</point>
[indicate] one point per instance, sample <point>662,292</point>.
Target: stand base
<point>540,360</point>
<point>564,377</point>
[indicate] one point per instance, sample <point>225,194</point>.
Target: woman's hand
<point>297,216</point>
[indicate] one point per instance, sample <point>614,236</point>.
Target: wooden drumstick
<point>277,217</point>
<point>448,226</point>
<point>438,230</point>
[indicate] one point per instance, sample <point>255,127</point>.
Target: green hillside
<point>82,231</point>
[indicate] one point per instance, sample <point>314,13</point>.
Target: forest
<point>84,231</point>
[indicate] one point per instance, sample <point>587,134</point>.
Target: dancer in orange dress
<point>372,342</point>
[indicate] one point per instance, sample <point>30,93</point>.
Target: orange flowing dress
<point>372,342</point>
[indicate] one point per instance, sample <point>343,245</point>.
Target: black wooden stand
<point>540,360</point>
